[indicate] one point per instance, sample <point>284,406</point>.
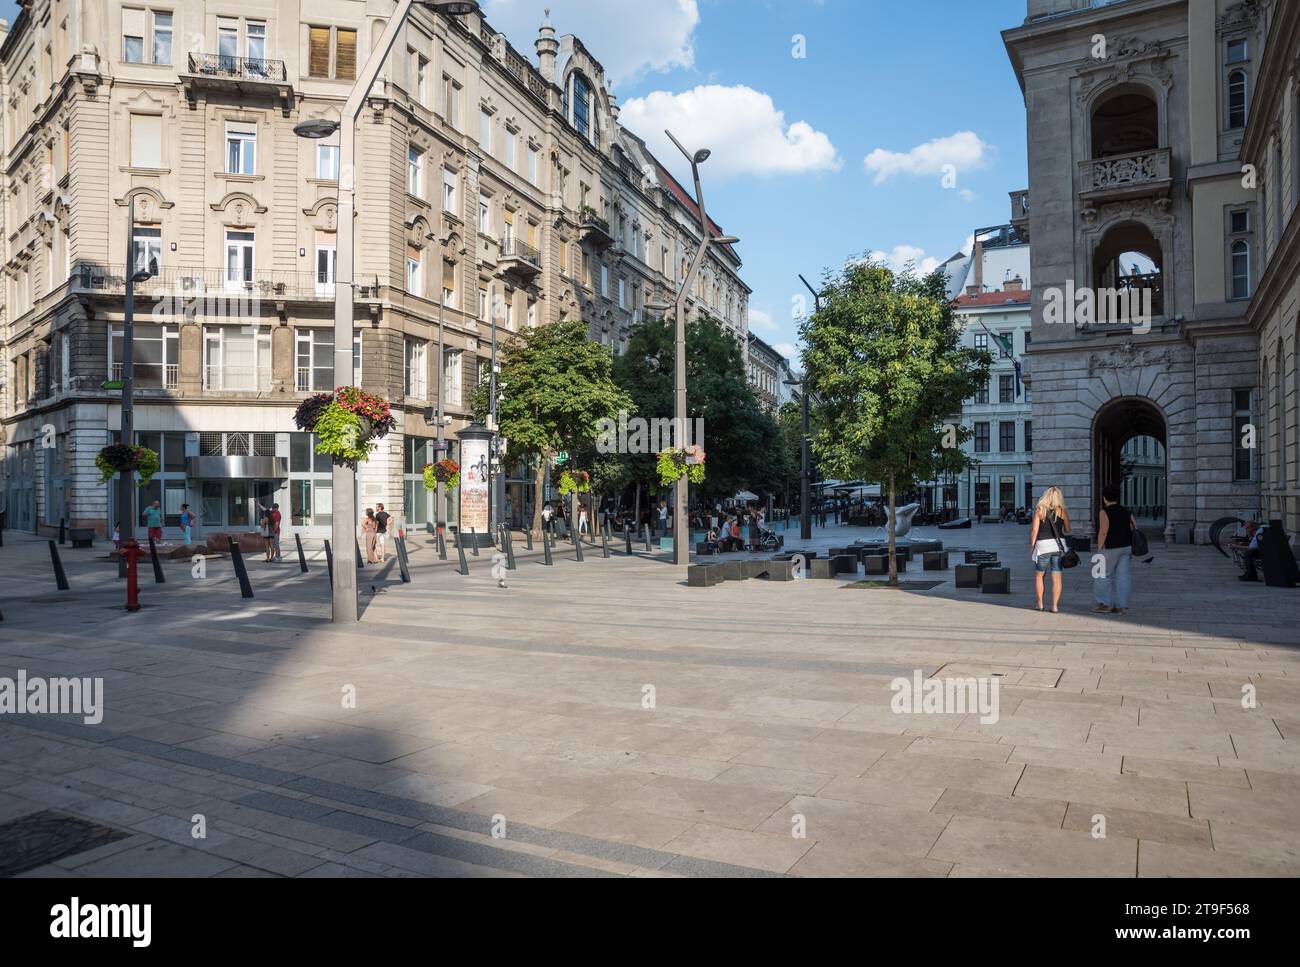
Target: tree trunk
<point>893,560</point>
<point>538,491</point>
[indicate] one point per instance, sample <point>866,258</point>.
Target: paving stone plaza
<point>549,728</point>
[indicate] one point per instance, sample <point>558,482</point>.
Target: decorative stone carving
<point>1244,13</point>
<point>1128,356</point>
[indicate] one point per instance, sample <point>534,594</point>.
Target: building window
<point>982,342</point>
<point>485,131</point>
<point>315,360</point>
<point>417,368</point>
<point>1237,99</point>
<point>452,367</point>
<point>155,355</point>
<point>1029,436</point>
<point>255,42</point>
<point>326,264</point>
<point>415,171</point>
<point>982,392</point>
<point>483,303</point>
<point>533,165</point>
<point>484,215</point>
<point>420,63</point>
<point>604,280</point>
<point>332,52</point>
<point>578,106</point>
<point>981,438</point>
<point>449,179</point>
<point>146,249</point>
<point>146,31</point>
<point>237,358</point>
<point>449,283</point>
<point>146,141</point>
<point>1240,270</point>
<point>1006,436</point>
<point>451,95</point>
<point>1006,390</point>
<point>1241,420</point>
<point>239,260</point>
<point>414,282</point>
<point>241,149</point>
<point>327,162</point>
<point>1237,51</point>
<point>511,147</point>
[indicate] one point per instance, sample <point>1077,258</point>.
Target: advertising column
<point>474,483</point>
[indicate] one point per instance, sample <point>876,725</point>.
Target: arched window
<point>1237,94</point>
<point>578,106</point>
<point>1241,270</point>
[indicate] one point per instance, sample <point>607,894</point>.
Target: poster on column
<point>474,485</point>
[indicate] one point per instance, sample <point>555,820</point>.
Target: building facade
<point>494,192</point>
<point>1272,144</point>
<point>766,368</point>
<point>1145,233</point>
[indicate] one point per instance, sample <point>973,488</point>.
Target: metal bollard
<point>509,540</point>
<point>604,542</point>
<point>158,577</point>
<point>528,538</point>
<point>627,539</point>
<point>442,546</point>
<point>329,562</point>
<point>403,565</point>
<point>547,559</point>
<point>60,578</point>
<point>473,542</point>
<point>577,547</point>
<point>62,532</point>
<point>460,550</point>
<point>241,572</point>
<point>647,537</point>
<point>302,558</point>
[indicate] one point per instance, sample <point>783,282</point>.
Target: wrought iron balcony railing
<point>236,287</point>
<point>151,375</point>
<point>238,68</point>
<point>514,248</point>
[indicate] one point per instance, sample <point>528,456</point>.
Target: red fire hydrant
<point>131,551</point>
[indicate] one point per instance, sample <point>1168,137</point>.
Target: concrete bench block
<point>823,569</point>
<point>976,557</point>
<point>935,561</point>
<point>876,564</point>
<point>779,570</point>
<point>704,575</point>
<point>734,570</point>
<point>995,580</point>
<point>969,575</point>
<point>845,563</point>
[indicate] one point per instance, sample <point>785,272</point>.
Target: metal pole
<point>126,483</point>
<point>343,529</point>
<point>805,481</point>
<point>440,453</point>
<point>493,509</point>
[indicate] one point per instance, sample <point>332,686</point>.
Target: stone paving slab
<point>603,719</point>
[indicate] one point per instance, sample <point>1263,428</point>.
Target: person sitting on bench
<point>1250,555</point>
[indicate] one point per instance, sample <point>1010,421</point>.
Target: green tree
<point>887,375</point>
<point>556,386</point>
<point>740,437</point>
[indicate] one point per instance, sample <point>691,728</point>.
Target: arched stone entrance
<point>1116,423</point>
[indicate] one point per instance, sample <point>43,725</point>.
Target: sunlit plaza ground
<point>602,718</point>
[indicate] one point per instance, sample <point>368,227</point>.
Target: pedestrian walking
<point>663,517</point>
<point>582,521</point>
<point>1047,543</point>
<point>153,519</point>
<point>187,524</point>
<point>369,527</point>
<point>381,533</point>
<point>547,513</point>
<point>266,527</point>
<point>1112,589</point>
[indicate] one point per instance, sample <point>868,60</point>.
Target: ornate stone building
<point>765,369</point>
<point>1137,113</point>
<point>494,193</point>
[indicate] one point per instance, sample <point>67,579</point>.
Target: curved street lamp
<point>343,526</point>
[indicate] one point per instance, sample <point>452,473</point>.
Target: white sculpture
<point>903,518</point>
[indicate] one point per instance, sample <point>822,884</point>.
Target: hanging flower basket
<point>348,423</point>
<point>677,463</point>
<point>445,472</point>
<point>120,458</point>
<point>574,481</point>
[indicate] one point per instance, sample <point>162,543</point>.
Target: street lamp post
<point>343,526</point>
<point>681,528</point>
<point>805,474</point>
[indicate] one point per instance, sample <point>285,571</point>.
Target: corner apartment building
<point>767,368</point>
<point>994,311</point>
<point>495,193</point>
<point>1137,184</point>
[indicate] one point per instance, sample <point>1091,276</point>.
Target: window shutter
<point>346,56</point>
<point>146,141</point>
<point>133,23</point>
<point>318,56</point>
<point>448,275</point>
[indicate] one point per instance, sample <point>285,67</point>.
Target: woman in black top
<point>1112,586</point>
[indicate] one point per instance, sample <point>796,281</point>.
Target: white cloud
<point>620,34</point>
<point>899,256</point>
<point>761,320</point>
<point>964,151</point>
<point>742,127</point>
<point>789,350</point>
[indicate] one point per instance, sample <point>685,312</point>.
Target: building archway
<point>1126,119</point>
<point>1121,456</point>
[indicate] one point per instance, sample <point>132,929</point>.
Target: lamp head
<point>316,128</point>
<point>701,156</point>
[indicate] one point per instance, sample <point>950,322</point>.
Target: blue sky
<point>910,86</point>
<point>913,86</point>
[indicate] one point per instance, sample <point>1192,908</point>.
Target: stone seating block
<point>935,561</point>
<point>969,575</point>
<point>995,580</point>
<point>704,575</point>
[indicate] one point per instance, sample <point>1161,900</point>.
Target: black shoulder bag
<point>1069,557</point>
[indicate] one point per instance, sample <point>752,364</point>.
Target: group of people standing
<point>730,535</point>
<point>1112,582</point>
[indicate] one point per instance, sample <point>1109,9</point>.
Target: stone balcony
<point>520,259</point>
<point>238,76</point>
<point>1121,177</point>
